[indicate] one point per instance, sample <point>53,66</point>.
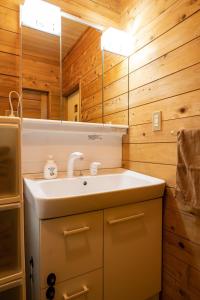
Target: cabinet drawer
<point>88,287</point>
<point>132,251</point>
<point>71,246</point>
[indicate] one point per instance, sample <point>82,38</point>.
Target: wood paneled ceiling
<point>102,12</point>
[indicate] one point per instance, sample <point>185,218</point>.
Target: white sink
<point>66,196</point>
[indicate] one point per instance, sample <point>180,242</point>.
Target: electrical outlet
<point>156,120</point>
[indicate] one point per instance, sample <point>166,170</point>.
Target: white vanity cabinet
<point>109,254</point>
<point>132,251</point>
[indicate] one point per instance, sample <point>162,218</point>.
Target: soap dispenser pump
<point>50,168</point>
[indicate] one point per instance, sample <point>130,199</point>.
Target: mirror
<point>41,80</point>
<point>81,72</point>
<point>62,75</point>
<point>115,91</point>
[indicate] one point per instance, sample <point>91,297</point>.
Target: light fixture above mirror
<point>40,15</point>
<point>117,41</point>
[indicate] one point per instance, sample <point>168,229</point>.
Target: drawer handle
<point>83,292</point>
<point>111,222</point>
<point>75,231</point>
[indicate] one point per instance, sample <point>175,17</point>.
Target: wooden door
<point>35,104</point>
<point>73,107</point>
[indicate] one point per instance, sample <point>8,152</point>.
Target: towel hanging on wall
<point>188,168</point>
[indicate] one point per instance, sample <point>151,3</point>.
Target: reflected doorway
<point>72,107</point>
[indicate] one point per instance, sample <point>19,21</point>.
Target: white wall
<point>37,145</point>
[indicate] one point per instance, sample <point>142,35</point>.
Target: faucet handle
<point>94,168</point>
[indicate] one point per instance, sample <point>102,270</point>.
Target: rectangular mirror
<point>41,79</point>
<point>81,72</point>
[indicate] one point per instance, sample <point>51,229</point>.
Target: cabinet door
<point>132,251</point>
<point>71,246</point>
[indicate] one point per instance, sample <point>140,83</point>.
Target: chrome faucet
<point>70,164</point>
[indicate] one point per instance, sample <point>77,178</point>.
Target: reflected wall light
<point>42,16</point>
<point>117,41</point>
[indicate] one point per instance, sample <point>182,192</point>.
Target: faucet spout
<point>70,164</point>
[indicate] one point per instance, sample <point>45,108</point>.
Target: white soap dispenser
<point>50,168</point>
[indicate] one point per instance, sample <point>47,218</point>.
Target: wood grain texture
<point>105,13</point>
<point>164,76</point>
<point>9,51</point>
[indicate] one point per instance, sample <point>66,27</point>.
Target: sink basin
<point>67,196</point>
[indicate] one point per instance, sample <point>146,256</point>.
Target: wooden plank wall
<point>164,75</point>
<point>9,51</point>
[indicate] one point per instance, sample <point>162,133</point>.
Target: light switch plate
<point>156,120</point>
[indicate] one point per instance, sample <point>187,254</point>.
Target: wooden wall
<point>9,51</point>
<point>164,75</point>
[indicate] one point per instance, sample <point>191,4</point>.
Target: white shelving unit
<point>12,278</point>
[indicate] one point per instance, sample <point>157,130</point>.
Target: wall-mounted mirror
<point>81,72</point>
<point>41,60</point>
<point>41,80</point>
<point>62,74</point>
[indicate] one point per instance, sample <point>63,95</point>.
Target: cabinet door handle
<point>111,222</point>
<point>75,231</point>
<point>83,292</point>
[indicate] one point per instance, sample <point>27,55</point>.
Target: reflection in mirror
<point>115,91</point>
<point>81,72</point>
<point>41,78</point>
<point>117,46</point>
